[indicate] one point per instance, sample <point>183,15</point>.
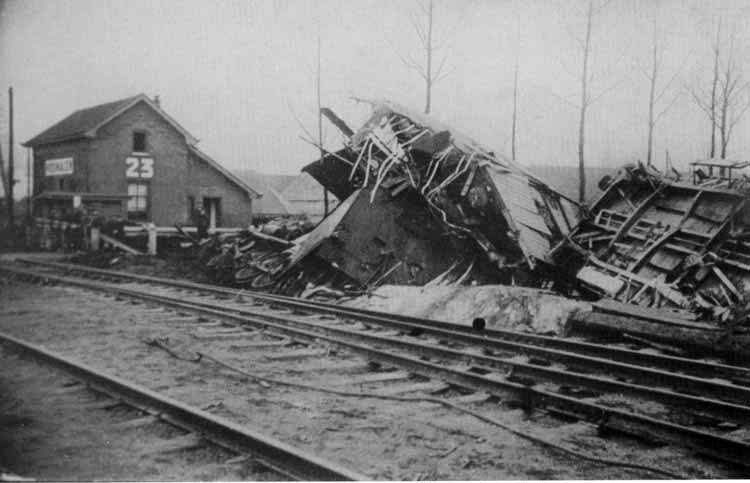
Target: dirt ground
<point>51,429</point>
<point>381,439</point>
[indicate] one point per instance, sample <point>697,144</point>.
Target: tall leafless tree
<point>734,98</point>
<point>514,122</point>
<point>515,112</point>
<point>714,84</point>
<point>728,99</point>
<point>3,177</point>
<point>423,24</point>
<point>320,125</point>
<point>707,101</point>
<point>585,101</point>
<point>656,91</point>
<point>586,98</point>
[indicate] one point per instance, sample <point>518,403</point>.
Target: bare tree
<point>3,177</point>
<point>651,95</point>
<point>586,98</point>
<point>728,99</point>
<point>320,126</point>
<point>424,28</point>
<point>714,83</point>
<point>734,100</point>
<point>707,100</point>
<point>585,101</point>
<point>515,112</point>
<point>515,92</point>
<point>656,92</point>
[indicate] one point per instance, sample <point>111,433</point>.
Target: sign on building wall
<point>142,168</point>
<point>58,167</point>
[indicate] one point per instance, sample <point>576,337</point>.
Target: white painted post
<point>151,238</point>
<point>95,240</point>
<point>46,243</point>
<point>212,214</point>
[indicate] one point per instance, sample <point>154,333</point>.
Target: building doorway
<point>212,207</point>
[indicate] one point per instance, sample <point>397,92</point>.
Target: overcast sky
<point>236,74</point>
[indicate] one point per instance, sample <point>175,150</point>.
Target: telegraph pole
<point>11,178</point>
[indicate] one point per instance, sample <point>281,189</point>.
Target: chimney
<point>157,101</point>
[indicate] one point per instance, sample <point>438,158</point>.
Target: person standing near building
<point>201,223</point>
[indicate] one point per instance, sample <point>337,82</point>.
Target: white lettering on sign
<point>139,168</point>
<point>58,167</point>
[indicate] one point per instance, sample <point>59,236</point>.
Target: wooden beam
<point>726,282</point>
<point>708,245</point>
<point>624,197</point>
<point>650,250</point>
<point>690,209</point>
<point>633,218</point>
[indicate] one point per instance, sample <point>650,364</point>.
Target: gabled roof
<point>274,204</point>
<point>84,123</point>
<point>227,174</point>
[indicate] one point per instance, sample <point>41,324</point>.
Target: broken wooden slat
<point>726,282</point>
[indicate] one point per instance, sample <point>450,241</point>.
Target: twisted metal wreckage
<point>659,240</point>
<point>423,203</point>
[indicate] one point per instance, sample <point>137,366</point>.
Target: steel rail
<point>497,337</point>
<point>274,454</point>
<point>718,446</point>
<point>734,412</point>
<point>681,382</point>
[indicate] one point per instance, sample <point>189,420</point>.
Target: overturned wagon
<point>666,241</point>
<point>423,200</point>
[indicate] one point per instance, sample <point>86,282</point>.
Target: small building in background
<point>305,195</point>
<point>288,196</point>
<point>130,159</point>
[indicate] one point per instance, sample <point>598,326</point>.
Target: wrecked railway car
<point>659,240</point>
<point>423,199</point>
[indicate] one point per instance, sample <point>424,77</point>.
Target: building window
<point>139,142</point>
<point>137,201</point>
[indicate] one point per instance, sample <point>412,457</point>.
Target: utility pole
<point>11,179</point>
<point>320,130</point>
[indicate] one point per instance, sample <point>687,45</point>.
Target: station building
<point>130,159</point>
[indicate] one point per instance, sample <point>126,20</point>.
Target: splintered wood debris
<point>657,240</point>
<point>422,198</point>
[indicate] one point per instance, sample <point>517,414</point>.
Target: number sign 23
<point>139,168</point>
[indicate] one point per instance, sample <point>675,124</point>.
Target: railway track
<point>567,378</point>
<point>200,427</point>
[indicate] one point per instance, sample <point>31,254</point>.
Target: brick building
<point>129,158</point>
